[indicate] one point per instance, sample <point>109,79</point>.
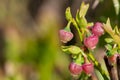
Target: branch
<point>98,66</point>
<point>118,66</point>
<point>111,69</point>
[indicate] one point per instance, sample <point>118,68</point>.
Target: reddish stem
<point>112,69</point>
<point>118,66</point>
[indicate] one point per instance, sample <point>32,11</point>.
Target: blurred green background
<point>29,41</point>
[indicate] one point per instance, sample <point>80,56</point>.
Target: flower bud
<point>88,68</point>
<point>65,36</point>
<point>113,58</point>
<point>91,41</point>
<point>97,29</point>
<point>75,69</point>
<point>74,49</point>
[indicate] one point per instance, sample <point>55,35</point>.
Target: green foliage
<point>79,55</point>
<point>83,9</point>
<point>113,34</point>
<point>71,49</point>
<point>108,40</point>
<point>40,53</point>
<point>80,15</point>
<point>68,14</point>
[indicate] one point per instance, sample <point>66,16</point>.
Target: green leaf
<point>116,39</point>
<point>81,21</point>
<point>108,47</point>
<point>83,9</point>
<point>116,30</point>
<point>65,49</point>
<point>90,24</point>
<point>108,40</point>
<point>71,49</point>
<point>79,59</point>
<point>68,14</point>
<point>114,50</point>
<point>74,56</point>
<point>80,15</point>
<point>77,18</point>
<point>118,51</point>
<point>108,53</point>
<point>76,26</point>
<point>107,27</point>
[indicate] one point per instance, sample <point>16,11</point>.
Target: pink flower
<point>75,69</point>
<point>65,36</point>
<point>97,29</point>
<point>88,68</point>
<point>91,41</point>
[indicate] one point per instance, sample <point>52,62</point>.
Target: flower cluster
<point>89,38</point>
<point>91,41</point>
<point>77,69</point>
<point>113,42</point>
<point>89,34</point>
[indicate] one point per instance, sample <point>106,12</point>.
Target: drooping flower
<point>97,29</point>
<point>75,69</point>
<point>91,41</point>
<point>65,36</point>
<point>88,68</point>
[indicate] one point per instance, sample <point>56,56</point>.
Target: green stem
<point>98,66</point>
<point>79,59</point>
<point>83,53</point>
<point>67,28</point>
<point>83,76</point>
<point>76,26</point>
